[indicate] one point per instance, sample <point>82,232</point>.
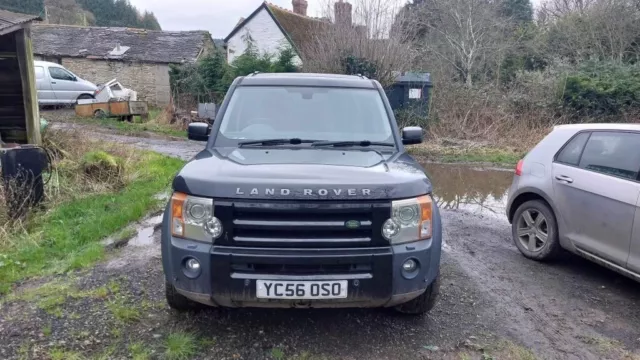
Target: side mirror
<point>198,131</point>
<point>412,135</point>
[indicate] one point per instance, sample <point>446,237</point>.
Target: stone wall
<point>151,81</point>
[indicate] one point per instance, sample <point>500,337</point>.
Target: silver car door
<point>633,263</point>
<point>65,85</point>
<point>597,199</point>
<point>43,87</point>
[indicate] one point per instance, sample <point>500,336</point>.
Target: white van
<point>59,86</point>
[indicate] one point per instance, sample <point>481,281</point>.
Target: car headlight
<point>192,218</point>
<point>410,220</point>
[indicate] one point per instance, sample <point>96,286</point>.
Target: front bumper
<point>228,274</point>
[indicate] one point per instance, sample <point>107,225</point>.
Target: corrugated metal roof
<point>9,19</point>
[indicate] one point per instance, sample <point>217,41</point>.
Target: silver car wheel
<point>532,230</point>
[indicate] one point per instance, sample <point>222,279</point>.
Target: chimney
<point>343,13</point>
<point>300,7</point>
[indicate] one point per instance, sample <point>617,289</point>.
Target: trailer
<point>125,110</point>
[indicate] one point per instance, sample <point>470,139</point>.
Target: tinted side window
<point>613,153</point>
<point>571,153</point>
<point>61,74</point>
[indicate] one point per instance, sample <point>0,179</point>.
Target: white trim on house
<point>264,32</point>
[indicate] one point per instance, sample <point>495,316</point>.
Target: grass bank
<point>84,204</point>
<point>135,128</point>
<point>447,153</point>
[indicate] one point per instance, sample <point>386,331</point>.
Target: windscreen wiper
<point>363,143</point>
<point>269,142</point>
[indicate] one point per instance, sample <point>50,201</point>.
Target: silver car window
<point>570,154</point>
<point>613,153</point>
<point>61,74</point>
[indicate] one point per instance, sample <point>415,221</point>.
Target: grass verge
<point>67,235</point>
<point>456,154</point>
<point>134,128</point>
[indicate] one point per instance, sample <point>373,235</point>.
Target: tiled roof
<point>9,19</point>
<point>300,29</point>
<point>98,42</point>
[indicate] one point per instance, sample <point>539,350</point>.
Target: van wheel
<point>178,301</point>
<point>84,97</point>
<point>535,231</point>
<point>423,303</point>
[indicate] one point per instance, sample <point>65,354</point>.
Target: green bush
<point>602,89</point>
<point>211,77</point>
<point>104,167</point>
<point>353,65</point>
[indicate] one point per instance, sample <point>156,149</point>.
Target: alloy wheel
<point>532,230</point>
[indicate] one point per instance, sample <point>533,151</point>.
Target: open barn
<point>19,114</point>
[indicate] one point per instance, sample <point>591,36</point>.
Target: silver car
<point>59,86</point>
<point>578,190</point>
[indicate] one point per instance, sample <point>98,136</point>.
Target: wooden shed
<point>19,113</point>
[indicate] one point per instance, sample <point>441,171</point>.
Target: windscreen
<point>311,113</point>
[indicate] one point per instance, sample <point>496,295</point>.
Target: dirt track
<point>494,301</point>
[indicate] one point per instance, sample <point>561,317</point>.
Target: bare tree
<point>359,30</point>
<point>553,9</point>
<point>588,29</point>
<point>466,34</point>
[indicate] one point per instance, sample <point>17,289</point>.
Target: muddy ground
<point>494,303</point>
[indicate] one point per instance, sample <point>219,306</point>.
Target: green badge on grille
<point>352,224</point>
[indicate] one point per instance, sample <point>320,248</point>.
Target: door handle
<point>53,82</point>
<point>564,178</point>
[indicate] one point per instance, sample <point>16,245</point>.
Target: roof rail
<point>254,73</point>
<point>362,76</point>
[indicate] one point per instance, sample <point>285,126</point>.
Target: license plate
<point>306,290</point>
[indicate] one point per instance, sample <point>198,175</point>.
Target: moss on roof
<point>302,30</point>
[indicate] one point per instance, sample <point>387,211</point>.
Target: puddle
<point>469,188</point>
<point>145,232</point>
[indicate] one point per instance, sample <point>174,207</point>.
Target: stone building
<point>138,58</point>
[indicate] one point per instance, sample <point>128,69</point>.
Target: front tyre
<point>84,97</point>
<point>423,303</point>
<point>178,301</point>
<point>535,231</point>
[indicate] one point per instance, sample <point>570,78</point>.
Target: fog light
<point>192,265</point>
<point>191,268</point>
<point>410,265</point>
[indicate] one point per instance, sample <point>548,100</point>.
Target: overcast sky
<point>217,16</point>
